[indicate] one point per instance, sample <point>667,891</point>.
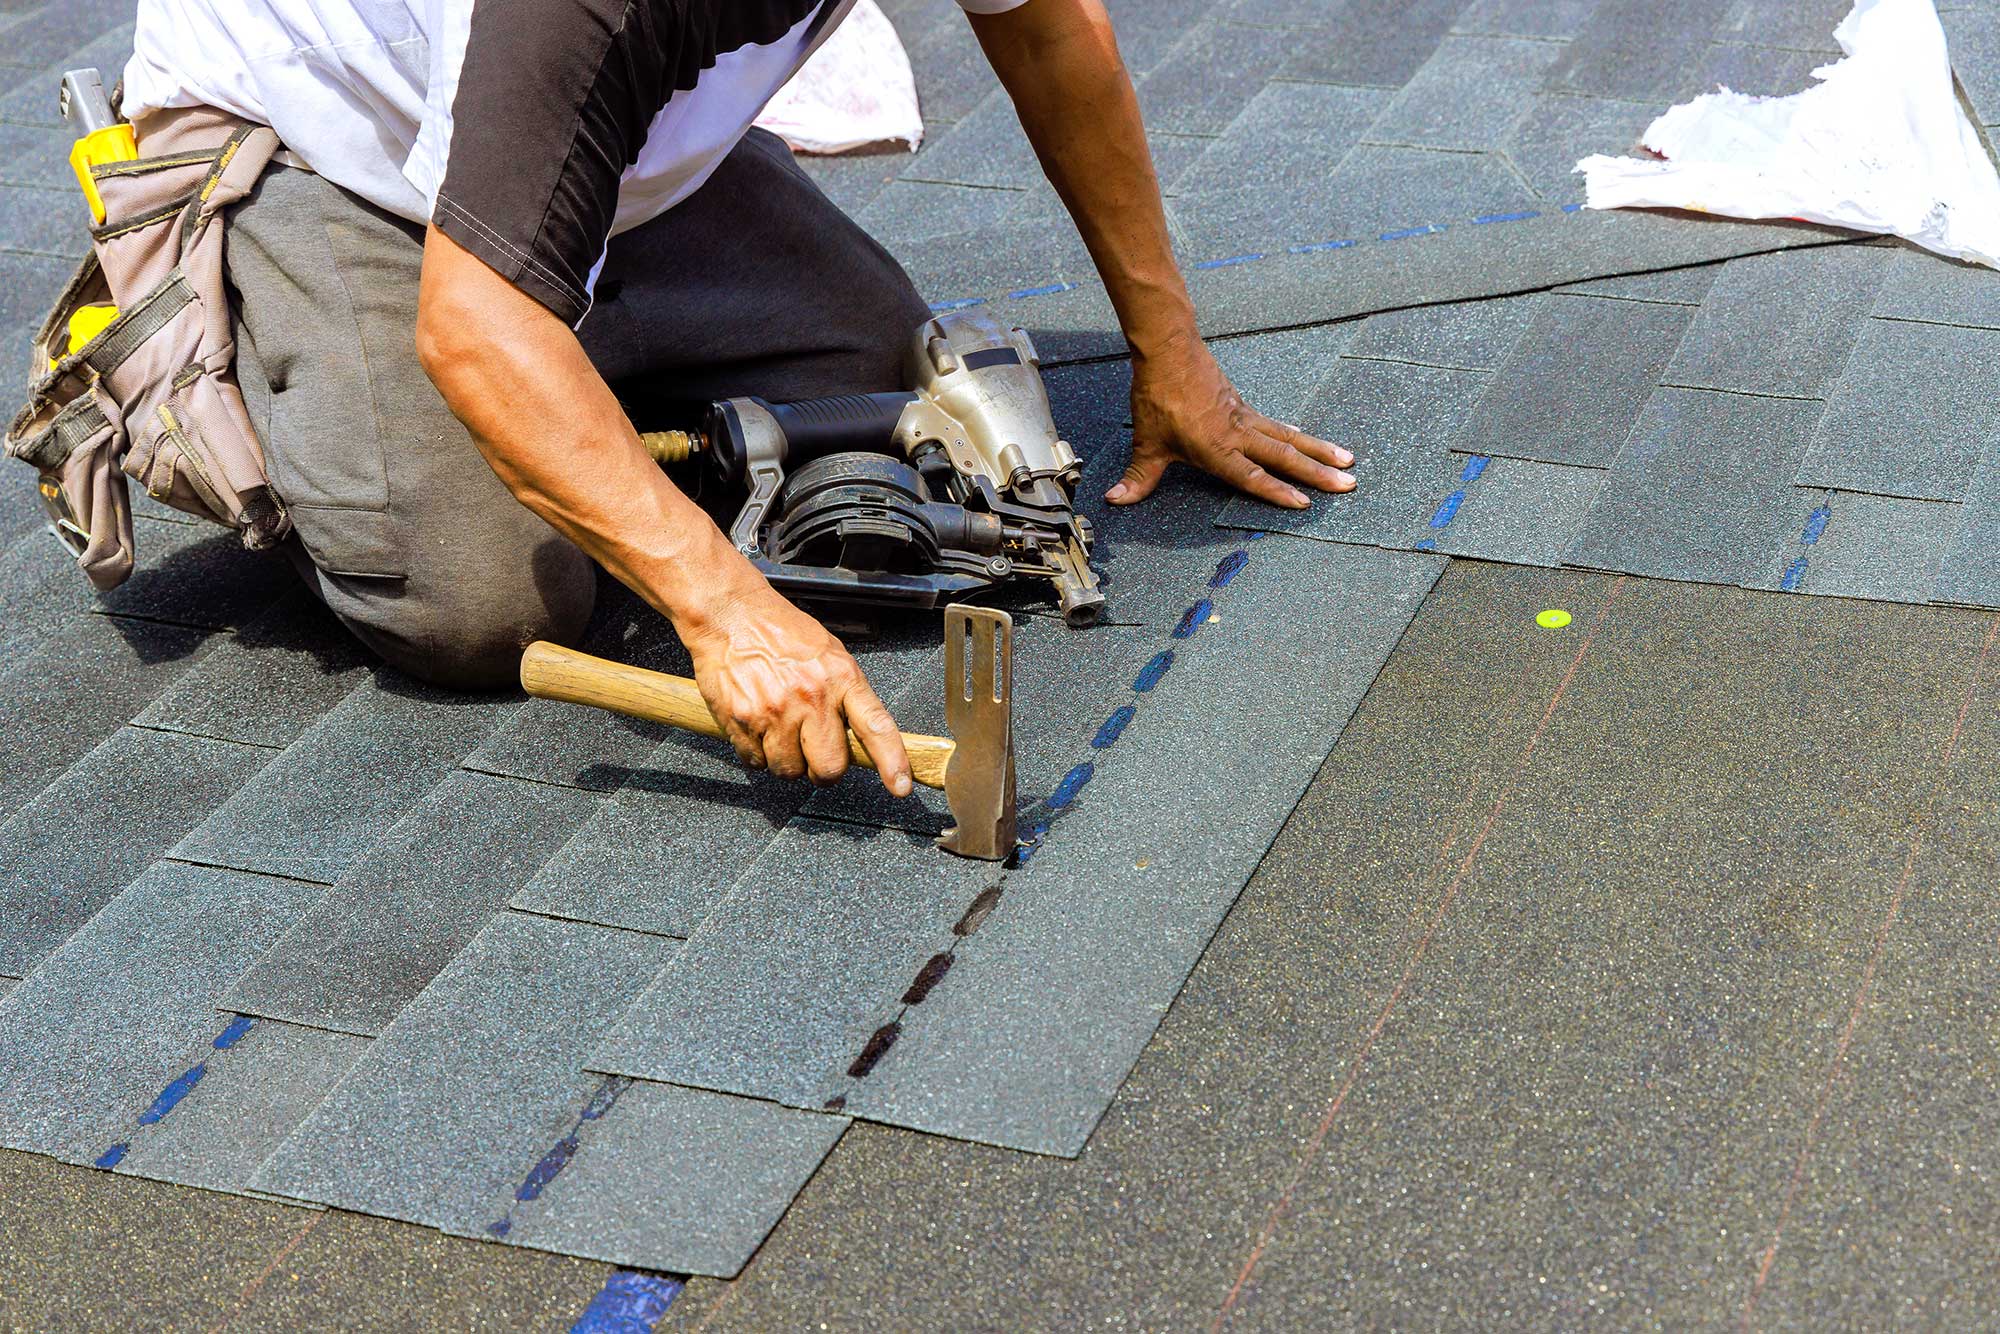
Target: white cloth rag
<point>856,91</point>
<point>1879,144</point>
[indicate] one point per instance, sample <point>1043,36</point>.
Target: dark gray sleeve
<point>554,101</point>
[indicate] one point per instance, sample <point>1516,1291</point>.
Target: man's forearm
<point>1060,64</point>
<point>556,435</point>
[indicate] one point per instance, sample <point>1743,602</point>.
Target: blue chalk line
<point>1815,528</point>
<point>1251,257</point>
<point>1113,728</point>
<point>628,1303</point>
<point>551,1164</point>
<point>1193,618</point>
<point>1231,262</point>
<point>1447,511</point>
<point>171,1096</point>
<point>1228,568</point>
<point>1149,675</point>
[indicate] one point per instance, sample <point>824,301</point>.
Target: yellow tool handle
<point>550,671</point>
<point>85,323</point>
<point>113,143</point>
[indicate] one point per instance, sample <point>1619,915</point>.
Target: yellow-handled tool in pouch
<point>85,324</point>
<point>102,136</point>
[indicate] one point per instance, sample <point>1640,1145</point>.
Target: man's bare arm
<point>1059,62</point>
<point>552,430</point>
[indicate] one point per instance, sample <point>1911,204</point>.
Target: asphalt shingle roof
<point>287,924</point>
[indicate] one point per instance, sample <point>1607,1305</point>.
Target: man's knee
<point>465,628</point>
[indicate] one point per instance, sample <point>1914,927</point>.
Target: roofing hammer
<point>974,766</point>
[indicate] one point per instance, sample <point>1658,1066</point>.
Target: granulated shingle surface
<point>1622,1018</point>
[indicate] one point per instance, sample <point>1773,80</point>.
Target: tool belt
<point>153,394</point>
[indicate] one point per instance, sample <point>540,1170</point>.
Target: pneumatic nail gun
<point>911,499</point>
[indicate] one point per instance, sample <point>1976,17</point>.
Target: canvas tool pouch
<point>153,395</point>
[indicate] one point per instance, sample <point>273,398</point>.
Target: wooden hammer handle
<point>550,671</point>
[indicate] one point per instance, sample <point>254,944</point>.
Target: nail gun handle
<point>550,671</point>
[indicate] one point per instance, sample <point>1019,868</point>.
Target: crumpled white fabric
<point>1879,145</point>
<point>856,90</point>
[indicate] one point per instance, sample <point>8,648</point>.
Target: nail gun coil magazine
<point>911,499</point>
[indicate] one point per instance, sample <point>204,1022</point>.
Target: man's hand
<point>786,691</point>
<point>783,688</point>
<point>1183,407</point>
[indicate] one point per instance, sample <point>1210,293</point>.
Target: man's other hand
<point>786,691</point>
<point>1183,407</point>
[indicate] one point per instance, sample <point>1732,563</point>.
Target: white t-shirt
<point>528,130</point>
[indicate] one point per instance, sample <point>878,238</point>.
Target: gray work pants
<point>756,284</point>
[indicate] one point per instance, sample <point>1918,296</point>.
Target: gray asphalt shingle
<point>1759,71</point>
<point>321,805</point>
<point>1207,78</point>
<point>90,675</point>
<point>43,219</point>
<point>1551,19</point>
<point>550,742</point>
<point>39,581</point>
<point>1380,42</point>
<point>1804,25</point>
<point>1702,490</point>
<point>29,285</point>
<point>1576,380</point>
<point>666,846</point>
<point>1780,324</point>
<point>1922,286</point>
<point>1558,131</point>
<point>916,210</point>
<point>952,73</point>
<point>88,834</point>
<point>1881,547</point>
<point>1899,423</point>
<point>642,1188</point>
<point>1674,287</point>
<point>104,1028</point>
<point>1970,569</point>
<point>784,984</point>
<point>1636,50</point>
<point>378,937</point>
<point>269,682</point>
<point>473,1102</point>
<point>1376,190</point>
<point>1519,511</point>
<point>259,1081</point>
<point>1467,94</point>
<point>1973,35</point>
<point>449,1111</point>
<point>1473,336</point>
<point>198,575</point>
<point>1294,133</point>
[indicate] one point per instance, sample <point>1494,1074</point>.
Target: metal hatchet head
<point>979,711</point>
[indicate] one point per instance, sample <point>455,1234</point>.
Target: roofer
<point>519,211</point>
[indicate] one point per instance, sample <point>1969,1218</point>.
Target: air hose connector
<point>670,447</point>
